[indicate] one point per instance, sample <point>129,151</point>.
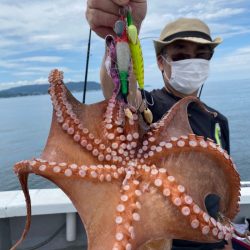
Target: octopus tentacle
<point>175,122</point>
<point>69,120</point>
<point>110,42</point>
<point>199,219</point>
<point>126,214</point>
<point>193,143</point>
<point>110,117</point>
<point>93,172</point>
<point>129,138</point>
<point>114,131</point>
<point>22,169</point>
<point>122,135</point>
<point>64,112</point>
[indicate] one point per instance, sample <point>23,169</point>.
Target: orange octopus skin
<point>129,185</point>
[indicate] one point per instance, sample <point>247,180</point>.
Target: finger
<point>98,19</point>
<point>105,6</point>
<point>139,16</point>
<point>121,2</point>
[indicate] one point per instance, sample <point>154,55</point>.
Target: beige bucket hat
<point>187,29</point>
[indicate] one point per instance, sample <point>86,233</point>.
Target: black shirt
<point>202,123</point>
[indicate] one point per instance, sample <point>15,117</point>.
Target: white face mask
<point>188,75</point>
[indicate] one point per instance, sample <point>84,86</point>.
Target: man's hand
<point>102,14</point>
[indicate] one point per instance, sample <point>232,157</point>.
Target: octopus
<point>130,183</point>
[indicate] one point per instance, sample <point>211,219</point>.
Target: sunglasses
<point>182,56</point>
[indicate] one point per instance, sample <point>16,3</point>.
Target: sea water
<point>25,124</point>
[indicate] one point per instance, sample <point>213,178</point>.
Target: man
<point>183,51</point>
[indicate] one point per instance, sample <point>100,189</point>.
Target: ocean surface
<point>25,123</point>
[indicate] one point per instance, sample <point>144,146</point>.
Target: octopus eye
<point>212,203</point>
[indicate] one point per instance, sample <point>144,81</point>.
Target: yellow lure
<point>136,55</point>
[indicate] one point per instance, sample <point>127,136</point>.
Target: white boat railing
<point>54,201</point>
<point>245,183</point>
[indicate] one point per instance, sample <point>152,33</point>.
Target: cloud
<point>45,38</point>
<point>234,64</point>
<point>243,51</point>
<point>47,59</point>
<point>7,42</point>
<point>7,85</point>
<point>8,64</point>
<point>222,13</point>
<point>26,63</point>
<point>43,24</point>
<point>38,81</point>
<point>213,12</point>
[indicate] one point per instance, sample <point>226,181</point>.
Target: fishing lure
<point>136,51</point>
<point>127,49</point>
<point>138,64</point>
<point>122,55</point>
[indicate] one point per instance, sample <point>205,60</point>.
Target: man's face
<point>181,50</point>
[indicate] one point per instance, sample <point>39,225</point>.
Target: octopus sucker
<point>130,185</point>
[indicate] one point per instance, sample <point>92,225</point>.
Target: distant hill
<point>42,89</point>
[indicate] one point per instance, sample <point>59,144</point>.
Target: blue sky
<point>37,36</point>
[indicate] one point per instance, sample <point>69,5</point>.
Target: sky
<point>37,36</point>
